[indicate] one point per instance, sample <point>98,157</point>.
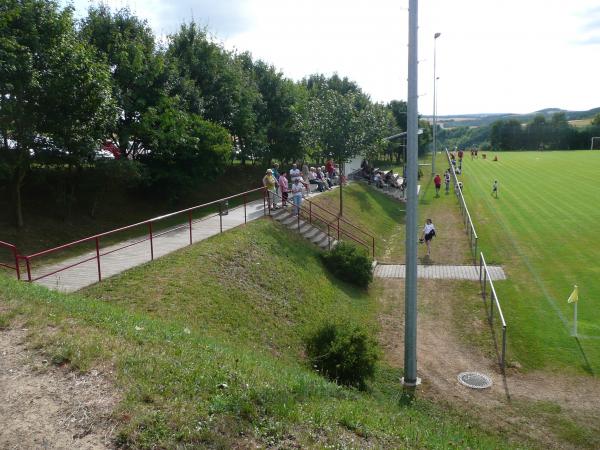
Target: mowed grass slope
<point>206,345</point>
<point>544,229</point>
<point>385,218</point>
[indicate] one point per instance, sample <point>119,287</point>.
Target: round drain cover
<point>474,380</point>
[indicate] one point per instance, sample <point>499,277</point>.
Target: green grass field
<point>543,228</point>
<point>232,309</point>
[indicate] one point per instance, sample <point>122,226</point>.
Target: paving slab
<point>438,272</point>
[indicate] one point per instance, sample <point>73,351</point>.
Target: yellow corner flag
<point>574,297</point>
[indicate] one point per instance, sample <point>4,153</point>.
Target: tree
<point>139,72</point>
<point>31,33</point>
<point>214,81</point>
<point>276,111</point>
<point>506,135</point>
<point>77,106</point>
<point>183,147</point>
<point>596,120</point>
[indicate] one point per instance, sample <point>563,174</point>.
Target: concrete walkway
<point>116,261</point>
<point>436,272</point>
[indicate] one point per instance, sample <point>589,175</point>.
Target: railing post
<point>264,204</point>
<point>245,208</point>
<point>484,283</point>
<point>338,233</point>
<point>492,301</point>
<point>151,243</point>
<point>221,216</point>
<point>503,363</point>
<point>28,265</point>
<point>480,269</point>
<point>98,258</point>
<point>190,222</point>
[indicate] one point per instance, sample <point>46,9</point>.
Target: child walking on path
<point>428,234</point>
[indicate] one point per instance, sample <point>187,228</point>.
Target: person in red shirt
<point>329,168</point>
<point>460,155</point>
<point>438,184</point>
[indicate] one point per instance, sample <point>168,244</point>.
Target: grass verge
<point>211,355</point>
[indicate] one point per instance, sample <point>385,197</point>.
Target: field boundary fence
<point>485,280</point>
<point>468,222</point>
<point>493,310</point>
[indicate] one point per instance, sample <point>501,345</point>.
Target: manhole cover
<point>474,380</point>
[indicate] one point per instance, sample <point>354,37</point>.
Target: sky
<point>493,56</point>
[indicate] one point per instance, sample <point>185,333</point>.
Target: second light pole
<point>434,152</point>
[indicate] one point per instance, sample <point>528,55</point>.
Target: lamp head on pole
<point>437,35</point>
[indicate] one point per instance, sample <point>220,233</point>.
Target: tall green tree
<point>139,72</point>
<point>214,84</point>
<point>32,34</point>
<point>185,148</point>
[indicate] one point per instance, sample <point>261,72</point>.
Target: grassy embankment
<point>384,217</point>
<point>231,310</point>
<point>541,228</point>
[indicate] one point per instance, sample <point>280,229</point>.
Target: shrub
<point>343,352</point>
<point>350,264</point>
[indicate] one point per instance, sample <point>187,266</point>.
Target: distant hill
<point>477,120</point>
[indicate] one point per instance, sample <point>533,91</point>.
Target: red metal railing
<point>316,215</point>
<point>15,254</point>
<point>149,236</point>
<point>313,213</point>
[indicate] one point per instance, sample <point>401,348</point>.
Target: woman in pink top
<point>283,185</point>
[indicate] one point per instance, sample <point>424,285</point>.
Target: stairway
<point>307,230</point>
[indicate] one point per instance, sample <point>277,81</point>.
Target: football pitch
<point>544,228</point>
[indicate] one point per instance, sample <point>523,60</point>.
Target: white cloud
<point>493,55</point>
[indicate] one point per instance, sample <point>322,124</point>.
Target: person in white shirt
<point>428,234</point>
<point>294,172</point>
<point>297,195</point>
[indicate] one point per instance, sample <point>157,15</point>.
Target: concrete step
<point>311,233</point>
<point>279,214</point>
<point>304,227</point>
<point>318,237</point>
<point>294,224</point>
<point>290,219</point>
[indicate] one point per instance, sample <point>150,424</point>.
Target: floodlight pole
<point>434,152</point>
<point>410,289</point>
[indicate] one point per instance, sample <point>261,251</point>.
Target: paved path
<point>115,259</point>
<point>85,274</point>
<point>436,272</point>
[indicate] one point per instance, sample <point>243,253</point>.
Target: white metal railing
<point>485,278</point>
<point>469,227</point>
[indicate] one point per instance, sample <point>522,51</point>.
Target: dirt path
<point>47,407</point>
<point>530,405</point>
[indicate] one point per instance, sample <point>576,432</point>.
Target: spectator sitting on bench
<point>379,179</point>
<point>321,176</point>
<point>391,179</point>
<point>312,179</point>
